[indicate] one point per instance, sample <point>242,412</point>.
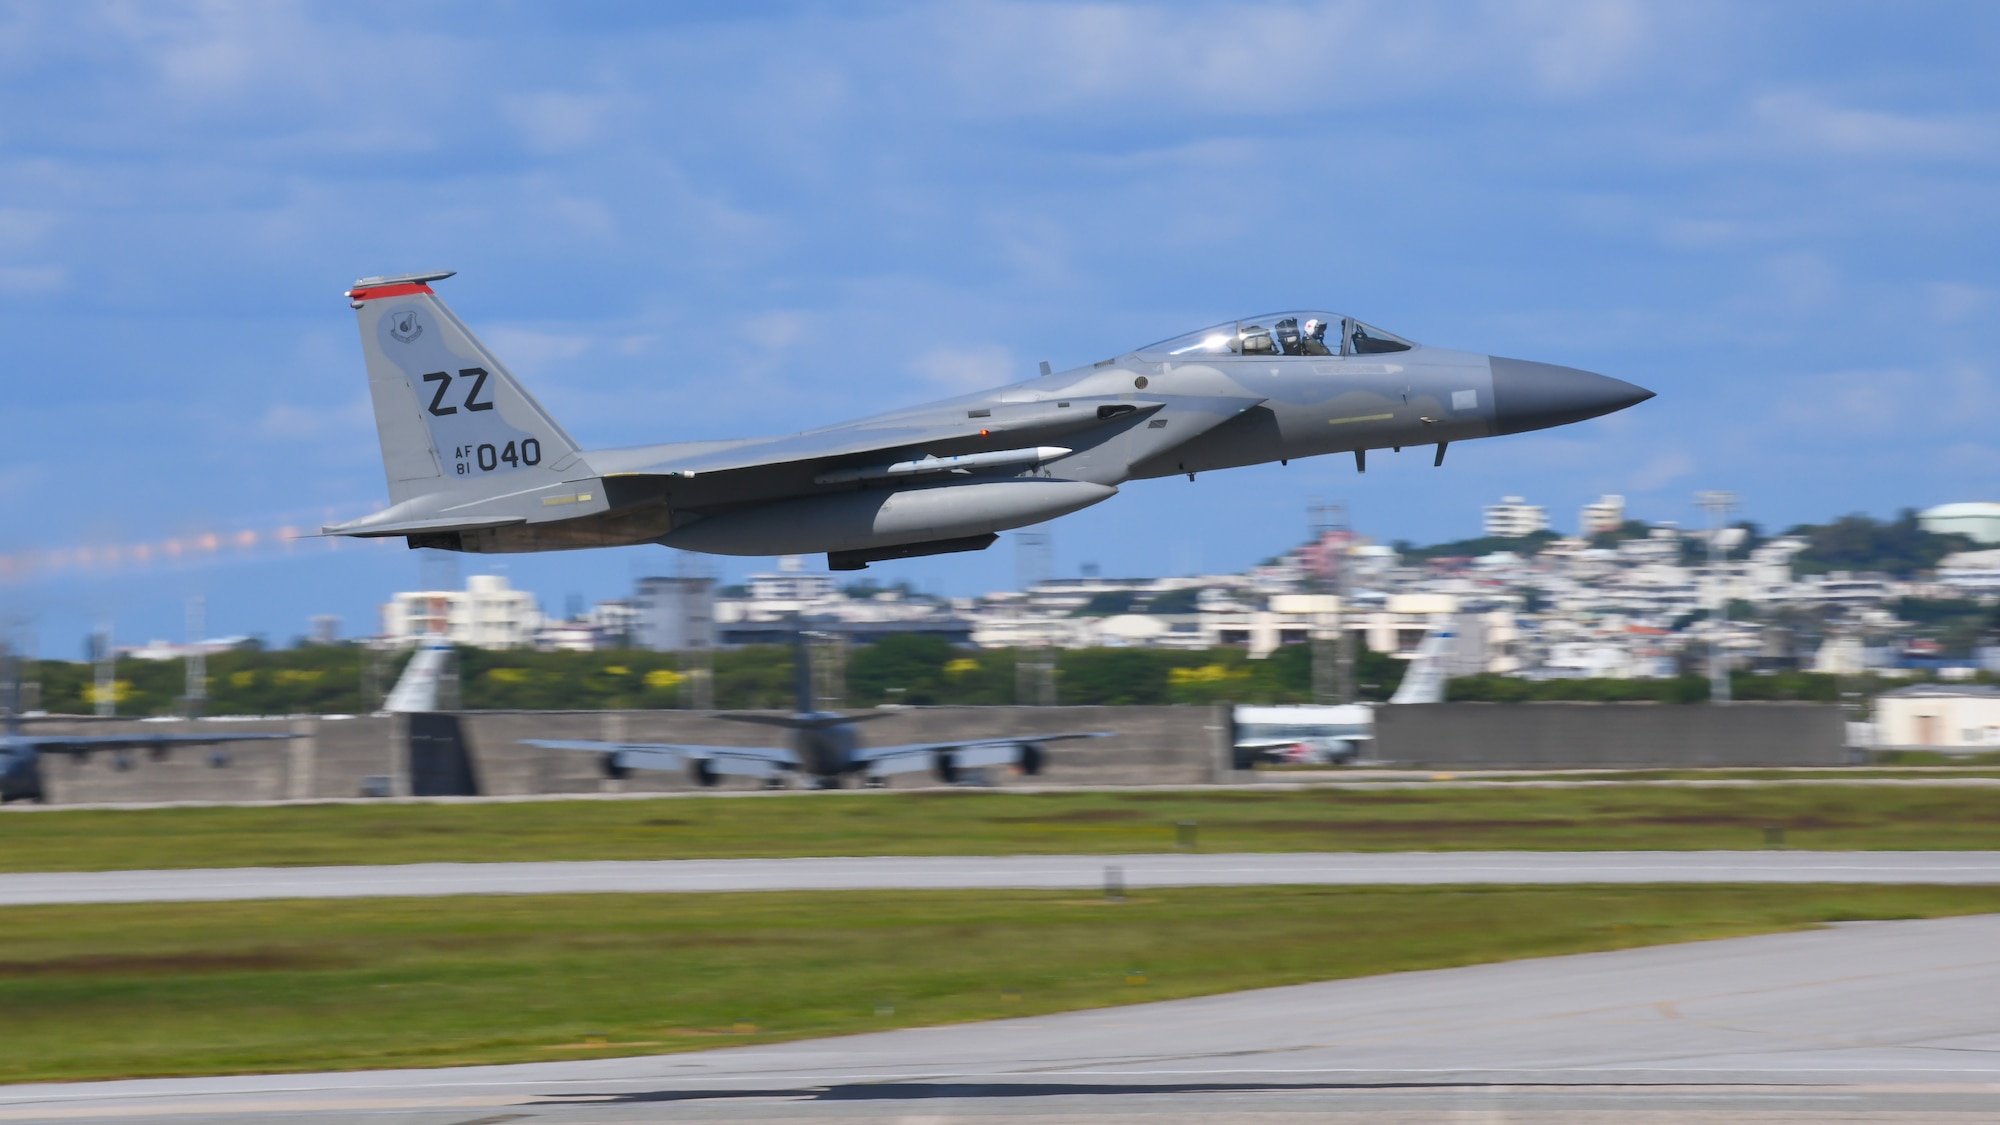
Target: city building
<point>1970,572</point>
<point>1607,514</point>
<point>774,606</point>
<point>1939,717</point>
<point>488,613</point>
<point>674,614</point>
<point>1644,608</point>
<point>1978,521</point>
<point>1514,517</point>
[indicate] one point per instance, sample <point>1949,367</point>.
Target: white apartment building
<point>488,613</point>
<point>1938,716</point>
<point>1977,520</point>
<point>1973,571</point>
<point>1514,517</point>
<point>1607,514</point>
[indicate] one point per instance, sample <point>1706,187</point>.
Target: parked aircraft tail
<point>1423,680</point>
<point>450,416</point>
<point>417,690</point>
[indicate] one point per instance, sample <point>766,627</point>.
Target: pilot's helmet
<point>1315,329</point>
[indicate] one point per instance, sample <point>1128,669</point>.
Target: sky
<point>678,222</point>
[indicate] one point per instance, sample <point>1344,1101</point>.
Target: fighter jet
<point>474,463</point>
<point>21,754</point>
<point>825,748</point>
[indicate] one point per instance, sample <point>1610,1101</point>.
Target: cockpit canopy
<point>1282,333</point>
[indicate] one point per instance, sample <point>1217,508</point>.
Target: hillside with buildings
<point>1602,613</point>
<point>1621,599</point>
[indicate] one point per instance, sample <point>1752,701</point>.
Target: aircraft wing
<point>158,743</point>
<point>944,428</point>
<point>751,761</point>
<point>950,757</point>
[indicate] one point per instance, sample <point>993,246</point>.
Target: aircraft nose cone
<point>1535,396</point>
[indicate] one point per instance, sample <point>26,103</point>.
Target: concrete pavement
<point>1052,872</point>
<point>1871,1021</point>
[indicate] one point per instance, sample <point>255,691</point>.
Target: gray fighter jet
<point>825,748</point>
<point>475,464</point>
<point>21,754</point>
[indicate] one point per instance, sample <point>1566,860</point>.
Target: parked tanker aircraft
<point>474,463</point>
<point>825,747</point>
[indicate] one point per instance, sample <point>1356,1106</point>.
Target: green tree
<point>1524,545</point>
<point>1862,544</point>
<point>1112,676</point>
<point>906,668</point>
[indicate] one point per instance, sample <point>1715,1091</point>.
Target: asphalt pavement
<point>1871,1021</point>
<point>1051,872</point>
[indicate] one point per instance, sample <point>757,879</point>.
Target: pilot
<point>1314,342</point>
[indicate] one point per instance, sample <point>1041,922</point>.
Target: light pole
<point>1332,657</point>
<point>1718,505</point>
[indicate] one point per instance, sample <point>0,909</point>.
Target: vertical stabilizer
<point>802,675</point>
<point>1423,681</point>
<point>451,417</point>
<point>417,690</point>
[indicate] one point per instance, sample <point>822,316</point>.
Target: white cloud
<point>1664,469</point>
<point>1952,302</point>
<point>19,479</point>
<point>967,368</point>
<point>556,122</point>
<point>1798,282</point>
<point>283,422</point>
<point>1012,58</point>
<point>20,226</point>
<point>31,281</point>
<point>526,350</point>
<point>1802,120</point>
<point>1886,404</point>
<point>1574,48</point>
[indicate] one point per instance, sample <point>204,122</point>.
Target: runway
<point>1053,872</point>
<point>1857,1022</point>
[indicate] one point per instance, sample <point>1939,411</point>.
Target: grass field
<point>107,991</point>
<point>970,822</point>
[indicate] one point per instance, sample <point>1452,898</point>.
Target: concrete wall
<point>1534,735</point>
<point>1153,746</point>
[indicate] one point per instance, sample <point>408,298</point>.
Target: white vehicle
<point>1323,735</point>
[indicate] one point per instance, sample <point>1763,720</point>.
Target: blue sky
<point>1781,217</point>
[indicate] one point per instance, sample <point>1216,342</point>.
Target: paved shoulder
<point>1862,1021</point>
<point>1057,872</point>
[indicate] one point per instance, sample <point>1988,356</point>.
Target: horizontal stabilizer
<point>362,529</point>
<point>804,722</point>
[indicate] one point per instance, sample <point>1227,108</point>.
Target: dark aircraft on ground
<point>21,754</point>
<point>825,746</point>
<point>475,464</point>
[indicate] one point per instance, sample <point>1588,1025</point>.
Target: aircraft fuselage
<point>475,464</point>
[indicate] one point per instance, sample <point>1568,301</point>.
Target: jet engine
<point>1031,758</point>
<point>615,768</point>
<point>703,772</point>
<point>946,767</point>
